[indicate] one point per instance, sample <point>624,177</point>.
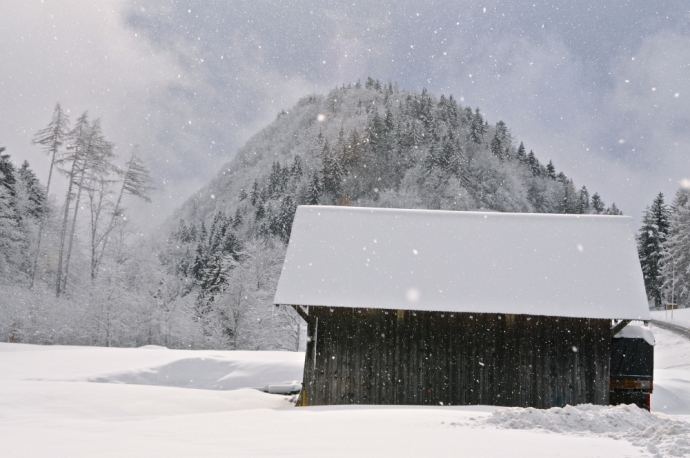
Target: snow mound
<point>635,331</point>
<point>209,373</point>
<point>657,434</point>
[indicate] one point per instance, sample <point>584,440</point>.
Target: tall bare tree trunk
<point>112,219</point>
<point>95,217</point>
<point>63,232</point>
<point>50,137</point>
<point>74,226</point>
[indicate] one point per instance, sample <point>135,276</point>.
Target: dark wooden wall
<point>374,356</point>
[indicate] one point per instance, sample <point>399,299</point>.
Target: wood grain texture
<point>377,356</point>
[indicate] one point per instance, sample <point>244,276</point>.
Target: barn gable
<point>580,266</point>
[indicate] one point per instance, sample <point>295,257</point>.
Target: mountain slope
<point>392,148</point>
<point>371,145</point>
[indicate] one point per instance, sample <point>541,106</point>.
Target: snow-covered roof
<point>637,331</point>
<point>483,262</point>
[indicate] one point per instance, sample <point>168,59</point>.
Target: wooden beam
<point>300,311</point>
<point>619,327</point>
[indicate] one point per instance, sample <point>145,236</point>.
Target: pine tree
<point>211,279</point>
<point>202,235</point>
<point>433,159</point>
<point>570,201</point>
<point>296,169</point>
<point>193,234</point>
<point>221,255</point>
<point>255,193</point>
<point>454,157</point>
<point>332,172</point>
<point>237,221</point>
<point>496,146</point>
<point>388,122</point>
<point>313,190</point>
<point>281,223</point>
<point>583,204</point>
<point>10,235</point>
<point>260,209</point>
<point>551,170</point>
<point>8,173</point>
<point>217,233</point>
<point>675,263</point>
<point>477,128</point>
<point>521,154</point>
<point>533,164</point>
<point>467,116</point>
<point>452,108</point>
<point>35,194</point>
<point>182,233</point>
<point>502,132</point>
<point>650,246</point>
<point>199,262</point>
<point>352,150</point>
<point>613,210</point>
<point>597,204</point>
<point>231,247</point>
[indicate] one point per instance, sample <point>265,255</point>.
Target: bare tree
<point>137,182</point>
<point>51,139</point>
<point>78,136</point>
<point>98,204</point>
<point>96,162</point>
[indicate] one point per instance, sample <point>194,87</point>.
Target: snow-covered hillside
<point>153,404</point>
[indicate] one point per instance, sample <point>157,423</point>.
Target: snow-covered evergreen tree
<point>597,204</point>
<point>675,263</point>
<point>10,235</point>
<point>651,240</point>
<point>583,204</point>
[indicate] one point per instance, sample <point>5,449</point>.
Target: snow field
<point>160,402</point>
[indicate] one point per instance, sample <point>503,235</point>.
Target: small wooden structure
<point>459,308</point>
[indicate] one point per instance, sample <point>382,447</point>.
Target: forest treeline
<point>209,280</point>
<point>663,245</point>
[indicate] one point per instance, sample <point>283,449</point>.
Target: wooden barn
<point>459,308</point>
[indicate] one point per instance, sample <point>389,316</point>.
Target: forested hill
<point>211,283</point>
<point>363,146</point>
<point>376,145</point>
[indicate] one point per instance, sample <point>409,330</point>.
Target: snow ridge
<point>657,434</point>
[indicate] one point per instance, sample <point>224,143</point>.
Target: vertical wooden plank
<point>399,365</point>
<point>387,357</point>
<point>307,377</point>
<point>359,363</point>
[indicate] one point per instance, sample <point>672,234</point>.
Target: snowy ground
<point>681,317</point>
<point>159,402</point>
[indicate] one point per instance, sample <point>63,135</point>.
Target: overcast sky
<point>599,87</point>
